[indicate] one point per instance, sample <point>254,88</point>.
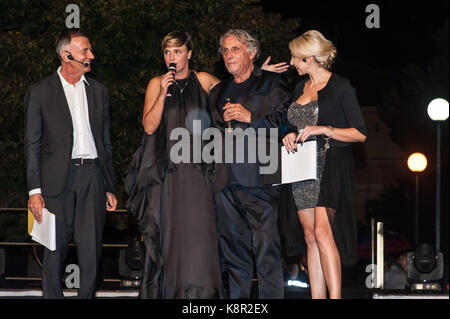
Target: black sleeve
<point>352,109</point>
<point>33,137</point>
<point>280,98</point>
<point>109,180</point>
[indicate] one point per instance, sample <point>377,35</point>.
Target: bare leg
<point>315,272</point>
<point>329,254</point>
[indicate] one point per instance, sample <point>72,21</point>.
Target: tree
<point>126,37</point>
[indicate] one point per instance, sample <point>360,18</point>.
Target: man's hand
<point>111,202</point>
<point>235,111</point>
<point>36,204</point>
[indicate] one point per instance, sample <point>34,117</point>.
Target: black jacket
<point>48,135</point>
<point>338,106</point>
<point>267,97</point>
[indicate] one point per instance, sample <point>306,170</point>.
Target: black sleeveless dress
<point>173,202</point>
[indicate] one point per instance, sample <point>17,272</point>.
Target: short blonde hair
<point>177,39</point>
<point>313,43</point>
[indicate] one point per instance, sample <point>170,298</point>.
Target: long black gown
<point>174,206</point>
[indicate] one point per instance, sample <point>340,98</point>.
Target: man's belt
<point>84,161</point>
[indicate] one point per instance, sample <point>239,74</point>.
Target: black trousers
<point>80,213</point>
<point>247,226</point>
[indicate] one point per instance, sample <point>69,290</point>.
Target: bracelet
<point>332,131</point>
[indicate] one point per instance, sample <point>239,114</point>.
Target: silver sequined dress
<point>306,193</point>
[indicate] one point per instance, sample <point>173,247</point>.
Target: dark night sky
<point>405,34</point>
<point>372,59</point>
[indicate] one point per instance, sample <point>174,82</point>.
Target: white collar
<point>65,83</point>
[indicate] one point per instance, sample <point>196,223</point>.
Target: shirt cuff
<point>34,191</point>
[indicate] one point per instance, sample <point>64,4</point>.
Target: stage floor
<point>289,294</point>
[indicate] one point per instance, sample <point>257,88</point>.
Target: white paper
<point>299,166</point>
<point>45,232</point>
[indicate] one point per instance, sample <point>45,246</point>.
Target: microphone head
<point>173,67</point>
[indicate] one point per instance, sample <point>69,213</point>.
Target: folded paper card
<point>295,167</point>
<point>45,232</point>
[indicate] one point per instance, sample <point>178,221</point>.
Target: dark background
<point>405,34</point>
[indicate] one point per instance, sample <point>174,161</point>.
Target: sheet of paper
<point>299,166</point>
<point>45,232</point>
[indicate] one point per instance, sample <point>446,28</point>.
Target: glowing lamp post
<point>438,112</point>
<point>417,163</point>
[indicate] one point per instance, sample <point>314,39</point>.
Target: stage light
<point>296,277</point>
<point>131,264</point>
<point>425,258</point>
<point>297,283</point>
<point>426,287</point>
<point>425,268</point>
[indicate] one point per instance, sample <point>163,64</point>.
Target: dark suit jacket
<point>268,98</point>
<point>49,134</point>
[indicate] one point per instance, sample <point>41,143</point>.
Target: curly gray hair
<point>245,38</point>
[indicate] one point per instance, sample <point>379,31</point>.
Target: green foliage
<point>126,37</point>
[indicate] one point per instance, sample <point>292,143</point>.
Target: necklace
<point>185,84</point>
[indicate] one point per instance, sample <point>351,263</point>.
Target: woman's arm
<point>207,81</point>
<point>155,96</point>
<point>351,135</point>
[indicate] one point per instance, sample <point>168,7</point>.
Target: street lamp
<point>417,163</point>
<point>438,112</point>
<point>424,265</point>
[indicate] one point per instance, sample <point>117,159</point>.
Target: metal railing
<point>35,244</point>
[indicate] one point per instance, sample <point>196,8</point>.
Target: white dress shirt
<point>83,140</point>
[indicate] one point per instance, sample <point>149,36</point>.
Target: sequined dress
<point>306,193</point>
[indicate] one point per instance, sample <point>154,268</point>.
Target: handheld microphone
<point>173,69</point>
<point>70,57</point>
<point>229,128</point>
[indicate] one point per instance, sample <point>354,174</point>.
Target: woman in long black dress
<point>326,107</point>
<point>173,202</point>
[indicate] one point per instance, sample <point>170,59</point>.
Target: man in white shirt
<point>69,161</point>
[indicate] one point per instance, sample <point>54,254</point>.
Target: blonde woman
<point>325,108</point>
